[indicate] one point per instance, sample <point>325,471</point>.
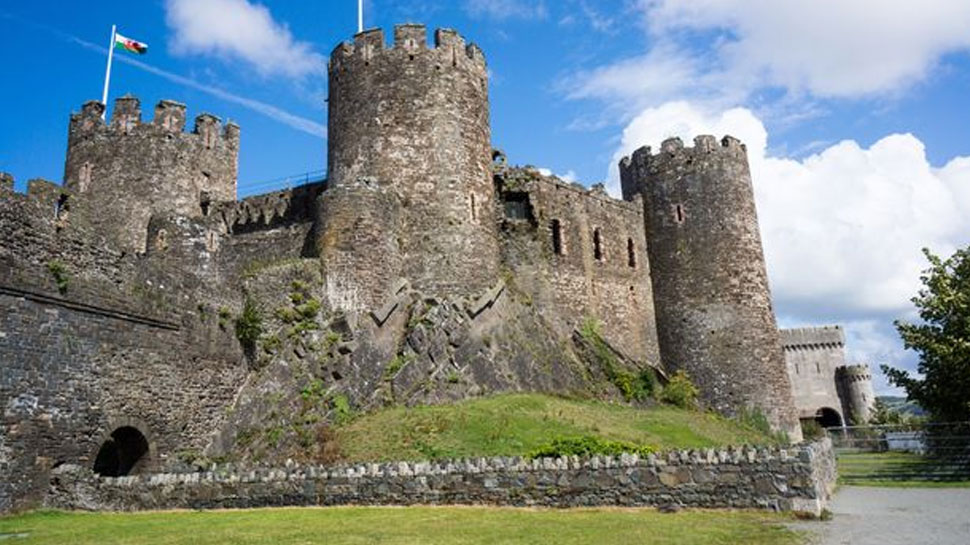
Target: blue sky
<point>855,113</point>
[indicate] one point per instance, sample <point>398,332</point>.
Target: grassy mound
<point>517,424</point>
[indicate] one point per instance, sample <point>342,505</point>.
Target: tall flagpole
<point>360,16</point>
<point>107,72</point>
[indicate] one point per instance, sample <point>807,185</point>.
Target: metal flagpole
<point>107,72</point>
<point>360,16</point>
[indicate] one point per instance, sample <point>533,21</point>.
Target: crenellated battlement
<point>527,178</point>
<point>169,118</point>
<point>410,46</point>
<point>854,373</point>
<point>812,338</point>
<point>134,168</point>
<point>673,154</point>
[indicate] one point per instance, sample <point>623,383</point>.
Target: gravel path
<point>890,516</point>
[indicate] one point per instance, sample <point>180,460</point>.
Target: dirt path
<point>890,516</point>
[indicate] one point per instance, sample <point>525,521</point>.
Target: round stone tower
<point>409,128</point>
<point>855,389</point>
<point>713,305</point>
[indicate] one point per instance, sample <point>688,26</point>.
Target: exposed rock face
<point>315,366</point>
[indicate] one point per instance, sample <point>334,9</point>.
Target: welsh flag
<point>129,45</point>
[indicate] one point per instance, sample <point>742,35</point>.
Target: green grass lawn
<point>515,424</point>
<point>404,525</point>
<point>899,469</point>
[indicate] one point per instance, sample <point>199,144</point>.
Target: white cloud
<point>843,228</point>
<point>825,47</point>
<point>506,9</point>
<point>723,52</point>
<point>238,29</point>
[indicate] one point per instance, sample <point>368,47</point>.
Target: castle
<point>148,317</point>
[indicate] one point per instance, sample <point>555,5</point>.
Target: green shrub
<point>811,430</point>
<point>395,365</point>
<point>680,391</point>
<point>342,410</point>
<point>61,278</point>
<point>309,310</point>
<point>588,445</point>
<point>249,325</point>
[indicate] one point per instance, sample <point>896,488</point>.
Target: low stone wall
<point>796,478</point>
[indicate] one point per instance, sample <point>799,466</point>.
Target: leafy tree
<point>942,339</point>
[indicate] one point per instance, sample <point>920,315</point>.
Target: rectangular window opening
<point>597,245</point>
<point>556,228</point>
<point>631,254</point>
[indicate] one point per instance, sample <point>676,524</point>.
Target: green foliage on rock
<point>633,386</point>
<point>680,391</point>
<point>942,339</point>
<point>249,325</point>
<point>58,270</point>
<point>588,445</point>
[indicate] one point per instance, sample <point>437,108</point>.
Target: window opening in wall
<point>796,369</point>
<point>597,245</point>
<point>60,207</point>
<point>125,451</point>
<point>474,212</point>
<point>556,228</point>
<point>517,206</point>
<point>679,213</point>
<point>818,368</point>
<point>631,253</point>
<point>205,200</point>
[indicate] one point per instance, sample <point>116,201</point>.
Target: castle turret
<point>409,127</point>
<point>127,170</point>
<point>858,399</point>
<point>713,305</point>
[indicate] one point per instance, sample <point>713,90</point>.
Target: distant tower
<point>128,170</point>
<point>409,132</point>
<point>713,305</point>
<point>855,389</point>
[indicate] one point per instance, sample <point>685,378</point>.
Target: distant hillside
<point>902,405</point>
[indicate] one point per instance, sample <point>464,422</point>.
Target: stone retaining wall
<point>789,479</point>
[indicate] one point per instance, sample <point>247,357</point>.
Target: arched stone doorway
<point>123,453</point>
<point>828,417</point>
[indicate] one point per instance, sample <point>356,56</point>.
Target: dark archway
<point>123,453</point>
<point>828,418</point>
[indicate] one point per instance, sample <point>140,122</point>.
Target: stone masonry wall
<point>812,355</point>
<point>72,374</point>
<point>91,339</point>
<point>714,312</point>
<point>789,479</point>
<point>129,170</point>
<point>414,119</point>
<point>561,271</point>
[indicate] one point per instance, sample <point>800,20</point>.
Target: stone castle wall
<point>123,339</point>
<point>413,119</point>
<point>714,312</point>
<point>129,170</point>
<point>580,254</point>
<point>812,355</point>
<point>788,479</point>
